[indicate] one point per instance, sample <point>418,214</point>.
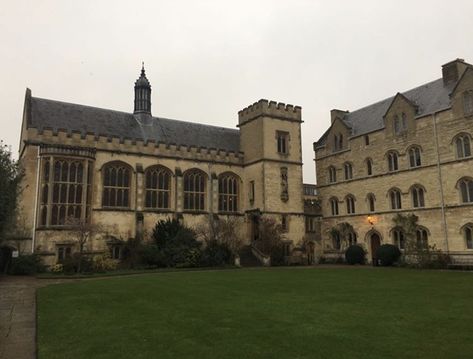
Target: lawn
<point>261,313</point>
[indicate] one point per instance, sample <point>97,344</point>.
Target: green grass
<point>266,313</point>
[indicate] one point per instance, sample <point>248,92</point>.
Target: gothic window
<point>466,190</point>
<point>417,194</point>
<point>348,171</point>
<point>332,174</point>
<point>228,192</point>
<point>282,142</point>
<point>399,238</point>
<point>352,238</point>
<point>468,235</point>
<point>64,194</point>
<point>334,206</point>
<point>395,198</point>
<point>463,148</point>
<point>116,185</point>
<point>310,224</point>
<point>422,238</point>
<point>157,188</point>
<point>369,166</point>
<point>350,201</point>
<point>371,202</point>
<point>414,157</point>
<point>468,103</point>
<point>194,190</point>
<point>392,161</point>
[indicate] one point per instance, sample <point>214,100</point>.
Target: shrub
<point>355,255</point>
<point>26,265</point>
<point>277,256</point>
<point>216,254</point>
<point>164,231</point>
<point>151,256</point>
<point>179,250</point>
<point>104,263</point>
<point>71,265</point>
<point>388,254</point>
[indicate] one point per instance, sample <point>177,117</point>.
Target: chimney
<point>337,114</point>
<point>452,71</point>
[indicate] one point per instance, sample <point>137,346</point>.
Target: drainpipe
<point>35,219</point>
<point>439,171</point>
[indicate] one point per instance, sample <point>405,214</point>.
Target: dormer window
<point>337,142</point>
<point>468,103</point>
<point>282,142</point>
<point>400,124</point>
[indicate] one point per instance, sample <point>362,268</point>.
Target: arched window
<point>228,192</point>
<point>417,194</point>
<point>468,102</point>
<point>194,190</point>
<point>332,174</point>
<point>348,171</point>
<point>399,238</point>
<point>462,144</point>
<point>468,235</point>
<point>116,185</point>
<point>369,166</point>
<point>466,190</point>
<point>371,202</point>
<point>351,238</point>
<point>334,206</point>
<point>65,191</point>
<point>157,187</point>
<point>395,198</point>
<point>350,200</point>
<point>422,238</point>
<point>392,161</point>
<point>414,157</point>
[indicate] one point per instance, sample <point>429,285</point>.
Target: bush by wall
<point>216,254</point>
<point>355,254</point>
<point>26,265</point>
<point>388,254</point>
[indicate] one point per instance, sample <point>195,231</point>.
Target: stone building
<point>410,153</point>
<point>129,170</point>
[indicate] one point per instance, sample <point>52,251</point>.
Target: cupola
<point>142,94</point>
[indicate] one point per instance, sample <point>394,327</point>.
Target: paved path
<point>18,316</point>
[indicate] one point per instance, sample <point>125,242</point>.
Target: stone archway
<point>374,239</point>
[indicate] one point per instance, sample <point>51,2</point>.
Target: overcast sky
<point>206,60</point>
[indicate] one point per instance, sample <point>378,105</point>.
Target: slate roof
<point>428,98</point>
<point>55,115</point>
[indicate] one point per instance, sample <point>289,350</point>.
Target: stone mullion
<point>50,191</point>
<point>85,176</point>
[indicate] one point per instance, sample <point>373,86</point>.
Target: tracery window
<point>157,188</point>
<point>332,174</point>
<point>417,194</point>
<point>228,192</point>
<point>65,191</point>
<point>392,161</point>
<point>468,235</point>
<point>350,201</point>
<point>369,166</point>
<point>414,157</point>
<point>348,171</point>
<point>422,238</point>
<point>116,185</point>
<point>466,190</point>
<point>371,202</point>
<point>463,148</point>
<point>194,190</point>
<point>334,206</point>
<point>395,198</point>
<point>399,238</point>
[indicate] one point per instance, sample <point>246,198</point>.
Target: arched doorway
<point>375,242</point>
<point>5,258</point>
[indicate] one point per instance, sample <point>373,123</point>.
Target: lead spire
<point>142,93</point>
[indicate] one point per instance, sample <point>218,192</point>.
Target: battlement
<point>265,108</point>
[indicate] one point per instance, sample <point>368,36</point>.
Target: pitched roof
<point>55,115</point>
<point>428,98</point>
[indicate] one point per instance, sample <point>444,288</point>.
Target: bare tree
<point>82,231</point>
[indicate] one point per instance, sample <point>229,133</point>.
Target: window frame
<point>195,193</point>
<point>462,144</point>
<point>418,196</point>
<point>229,200</point>
<point>348,170</point>
<point>465,188</point>
<point>282,142</point>
<point>155,192</point>
<point>468,103</point>
<point>415,157</point>
<point>125,189</point>
<point>332,174</point>
<point>334,206</point>
<point>350,204</point>
<point>393,161</point>
<point>395,199</point>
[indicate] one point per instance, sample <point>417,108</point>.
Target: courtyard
<point>347,312</point>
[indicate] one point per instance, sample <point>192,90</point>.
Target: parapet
<point>265,108</point>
